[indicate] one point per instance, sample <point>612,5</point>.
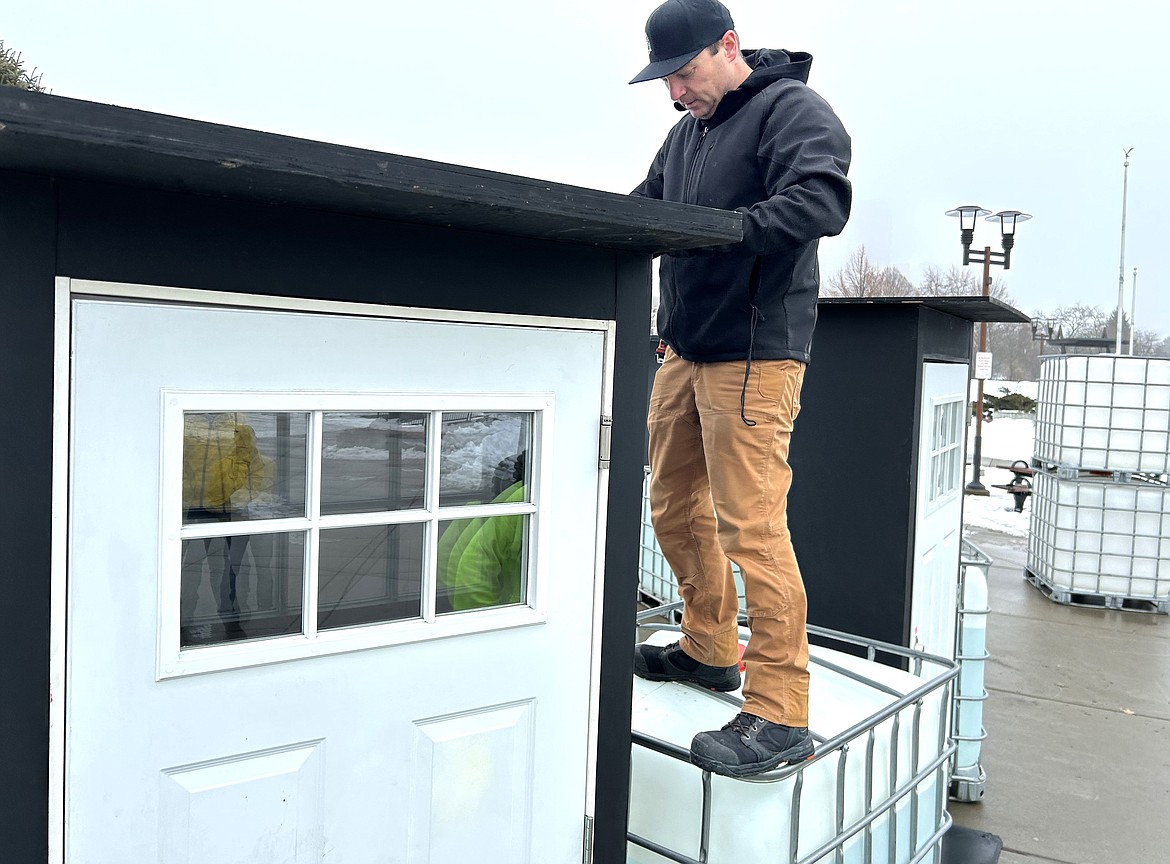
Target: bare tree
<point>959,282</point>
<point>1017,356</point>
<point>1080,320</point>
<point>857,278</point>
<point>955,282</point>
<point>1148,343</point>
<point>860,278</point>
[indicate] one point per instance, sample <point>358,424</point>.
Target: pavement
<point>1077,754</point>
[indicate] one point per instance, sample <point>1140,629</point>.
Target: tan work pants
<point>719,491</point>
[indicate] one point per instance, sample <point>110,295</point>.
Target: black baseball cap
<point>678,30</point>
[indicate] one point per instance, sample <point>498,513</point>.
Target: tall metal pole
<point>1133,312</point>
<point>1121,271</point>
<point>975,487</point>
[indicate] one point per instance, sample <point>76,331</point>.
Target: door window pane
<point>348,507</point>
<point>371,462</point>
<point>240,466</point>
<point>945,441</point>
<point>370,574</point>
<point>482,562</point>
<point>245,586</point>
<point>484,454</point>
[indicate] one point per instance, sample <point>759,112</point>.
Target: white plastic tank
<point>968,778</point>
<point>1099,537</point>
<point>1104,412</point>
<point>759,820</point>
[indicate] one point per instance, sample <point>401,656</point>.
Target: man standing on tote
<point>738,322</point>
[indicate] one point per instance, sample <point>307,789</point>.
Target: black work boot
<point>750,745</point>
<point>671,663</point>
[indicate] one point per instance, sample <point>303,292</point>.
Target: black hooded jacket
<point>775,151</point>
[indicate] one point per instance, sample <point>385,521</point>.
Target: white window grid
<point>946,450</point>
<point>311,642</point>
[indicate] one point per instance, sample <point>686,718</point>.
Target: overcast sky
<point>1009,104</point>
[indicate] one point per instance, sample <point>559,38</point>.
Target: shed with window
<point>878,464</point>
<point>323,470</point>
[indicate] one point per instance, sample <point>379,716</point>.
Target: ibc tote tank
<point>1104,412</point>
<point>794,812</point>
<point>968,779</point>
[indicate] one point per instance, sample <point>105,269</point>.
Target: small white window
<point>946,437</point>
<point>335,524</point>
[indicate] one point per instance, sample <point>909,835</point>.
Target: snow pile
<point>995,387</point>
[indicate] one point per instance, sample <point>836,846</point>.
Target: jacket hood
<point>768,66</point>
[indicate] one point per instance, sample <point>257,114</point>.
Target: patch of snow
<point>1005,440</point>
<point>996,387</point>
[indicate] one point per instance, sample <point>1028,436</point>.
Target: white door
<point>938,524</point>
<point>267,661</point>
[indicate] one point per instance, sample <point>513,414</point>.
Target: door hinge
<point>587,846</point>
<point>605,441</point>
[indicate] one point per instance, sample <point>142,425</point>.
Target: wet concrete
<point>1077,754</point>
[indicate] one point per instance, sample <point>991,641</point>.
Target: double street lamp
<point>1008,220</point>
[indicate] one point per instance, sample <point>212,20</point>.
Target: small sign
<point>983,365</point>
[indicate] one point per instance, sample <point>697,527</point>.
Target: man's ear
<point>730,45</point>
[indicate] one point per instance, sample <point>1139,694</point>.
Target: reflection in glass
<point>242,466</point>
<point>248,586</point>
<point>370,574</point>
<point>371,462</point>
<point>484,454</point>
<point>483,562</point>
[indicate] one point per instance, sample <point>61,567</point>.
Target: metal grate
<point>905,817</point>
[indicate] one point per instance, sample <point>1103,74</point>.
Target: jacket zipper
<point>692,174</point>
<point>690,195</point>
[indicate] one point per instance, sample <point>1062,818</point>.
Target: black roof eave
<point>58,136</point>
<point>975,308</point>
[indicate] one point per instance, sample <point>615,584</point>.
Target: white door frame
<point>65,289</point>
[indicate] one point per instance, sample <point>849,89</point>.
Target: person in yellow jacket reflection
<point>481,561</point>
<point>224,475</point>
<point>223,469</point>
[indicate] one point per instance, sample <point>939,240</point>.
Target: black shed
<point>879,464</point>
<point>258,388</point>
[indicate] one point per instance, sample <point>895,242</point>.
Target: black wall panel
<point>27,241</point>
<point>123,234</point>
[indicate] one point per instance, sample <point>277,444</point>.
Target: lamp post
<point>1121,269</point>
<point>1008,220</point>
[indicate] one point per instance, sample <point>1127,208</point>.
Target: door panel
<point>472,795</point>
<point>255,807</point>
<point>355,755</point>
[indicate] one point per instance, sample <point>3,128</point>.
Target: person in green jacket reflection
<point>481,561</point>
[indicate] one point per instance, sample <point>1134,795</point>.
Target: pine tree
<point>12,72</point>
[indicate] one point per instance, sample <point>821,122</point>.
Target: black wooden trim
<point>975,308</point>
<point>27,250</point>
<point>46,134</point>
<point>611,800</point>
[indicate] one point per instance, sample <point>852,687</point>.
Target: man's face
<point>700,84</point>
